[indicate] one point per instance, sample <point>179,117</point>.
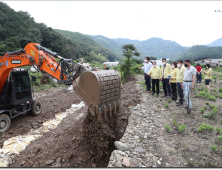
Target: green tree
<point>129,50</point>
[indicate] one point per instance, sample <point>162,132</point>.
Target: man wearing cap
<point>166,71</point>
<point>147,66</point>
<point>188,82</point>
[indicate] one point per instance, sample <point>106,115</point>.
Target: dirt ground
<point>190,148</point>
<point>79,140</point>
<point>53,101</point>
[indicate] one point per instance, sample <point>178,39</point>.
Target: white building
<point>111,63</point>
<point>214,62</point>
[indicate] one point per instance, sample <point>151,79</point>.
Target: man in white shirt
<point>147,66</point>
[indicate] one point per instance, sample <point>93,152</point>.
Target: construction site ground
<point>146,143</point>
<point>135,138</point>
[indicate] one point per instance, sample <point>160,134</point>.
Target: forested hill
<point>201,51</point>
<point>109,43</point>
<point>18,29</point>
<point>215,43</point>
<point>156,47</point>
<point>88,44</point>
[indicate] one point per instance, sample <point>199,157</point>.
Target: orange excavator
<point>100,90</point>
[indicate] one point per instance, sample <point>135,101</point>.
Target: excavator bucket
<point>100,90</point>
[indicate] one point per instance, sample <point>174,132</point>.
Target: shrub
<point>202,110</point>
<point>213,147</point>
<point>205,107</point>
<point>174,122</point>
<point>212,106</point>
<point>212,98</point>
<point>169,101</point>
<point>207,103</point>
<point>204,127</point>
<point>182,128</point>
<point>220,95</point>
<point>218,130</point>
<point>167,128</point>
<point>220,89</point>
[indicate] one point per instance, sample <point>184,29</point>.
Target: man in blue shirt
<point>147,66</point>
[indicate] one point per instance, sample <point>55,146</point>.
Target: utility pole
<point>192,53</point>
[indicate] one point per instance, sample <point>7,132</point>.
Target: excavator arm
<point>100,90</point>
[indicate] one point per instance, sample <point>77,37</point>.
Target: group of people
<point>179,77</point>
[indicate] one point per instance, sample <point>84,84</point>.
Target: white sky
<point>185,22</point>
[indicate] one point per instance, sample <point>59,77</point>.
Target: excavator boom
<point>100,90</point>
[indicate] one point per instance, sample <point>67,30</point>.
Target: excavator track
<point>100,90</point>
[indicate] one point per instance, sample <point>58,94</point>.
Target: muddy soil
<point>53,101</point>
<point>189,148</point>
<point>79,140</point>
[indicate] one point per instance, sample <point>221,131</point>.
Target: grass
<point>158,106</point>
<point>174,122</point>
<point>220,95</point>
<point>204,127</point>
<point>207,103</point>
<point>166,105</point>
<point>169,100</point>
<point>213,147</point>
<point>167,127</point>
<point>182,128</point>
<point>202,110</point>
<point>218,130</point>
<point>220,89</point>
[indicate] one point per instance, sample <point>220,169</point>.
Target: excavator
<point>100,90</point>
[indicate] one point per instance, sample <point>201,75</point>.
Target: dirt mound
<point>80,140</point>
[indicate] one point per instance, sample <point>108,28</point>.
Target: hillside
<point>201,51</point>
<point>215,43</point>
<point>87,44</point>
<point>18,29</point>
<point>155,47</point>
<point>109,43</point>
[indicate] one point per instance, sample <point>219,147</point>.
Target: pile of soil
<point>80,140</point>
<point>52,103</point>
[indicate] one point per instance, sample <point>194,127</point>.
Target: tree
<point>129,50</point>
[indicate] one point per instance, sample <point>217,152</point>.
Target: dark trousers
<point>166,87</point>
<point>199,77</point>
<point>155,83</point>
<point>180,92</point>
<point>147,81</point>
<point>174,90</point>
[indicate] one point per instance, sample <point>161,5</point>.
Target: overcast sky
<point>185,22</point>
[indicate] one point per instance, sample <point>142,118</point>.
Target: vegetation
<point>182,128</point>
<point>204,127</point>
<point>201,51</point>
<point>167,128</point>
<point>213,147</point>
<point>125,67</point>
<point>166,105</point>
<point>17,29</point>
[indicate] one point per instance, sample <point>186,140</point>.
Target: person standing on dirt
<point>173,82</point>
<point>208,76</point>
<point>199,75</point>
<point>188,82</point>
<point>154,73</point>
<point>165,71</point>
<point>146,69</point>
<point>179,80</point>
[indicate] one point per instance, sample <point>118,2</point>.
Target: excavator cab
<point>21,86</point>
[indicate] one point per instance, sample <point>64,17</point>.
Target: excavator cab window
<point>21,87</point>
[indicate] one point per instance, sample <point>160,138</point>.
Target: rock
<point>118,164</point>
<point>49,162</point>
<point>136,137</point>
<point>35,165</point>
<point>63,161</point>
<point>58,165</point>
<point>159,162</point>
<point>35,127</point>
<point>140,150</point>
<point>126,162</point>
<point>23,163</point>
<point>134,108</point>
<point>121,146</point>
<point>93,165</point>
<point>10,132</point>
<point>58,160</point>
<point>121,153</point>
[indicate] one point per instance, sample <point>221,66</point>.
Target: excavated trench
<point>80,140</point>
